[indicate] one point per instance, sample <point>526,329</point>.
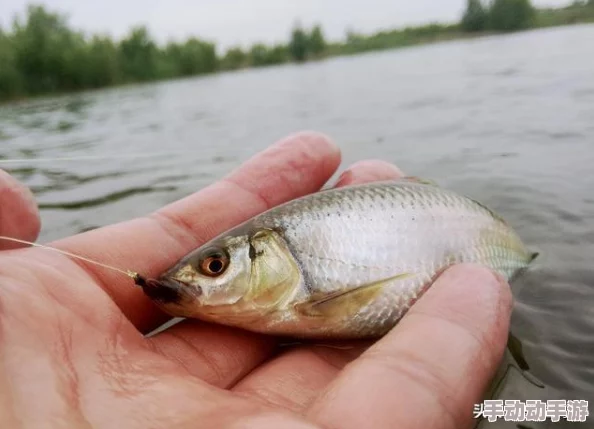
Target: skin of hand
<point>19,217</point>
<point>73,353</point>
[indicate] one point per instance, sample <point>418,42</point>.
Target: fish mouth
<point>166,290</point>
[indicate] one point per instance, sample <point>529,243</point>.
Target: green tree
<point>262,55</point>
<point>103,66</point>
<point>45,51</point>
<point>317,42</point>
<point>138,55</point>
<point>74,70</point>
<point>258,55</point>
<point>196,57</point>
<point>234,59</point>
<point>298,45</point>
<point>168,61</point>
<point>511,15</point>
<point>190,58</point>
<point>278,54</point>
<point>11,80</point>
<point>475,17</point>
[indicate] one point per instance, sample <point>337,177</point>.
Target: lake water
<point>508,120</point>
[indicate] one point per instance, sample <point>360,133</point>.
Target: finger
<point>296,166</point>
<point>433,367</point>
<point>19,216</point>
<point>293,379</point>
<point>222,356</point>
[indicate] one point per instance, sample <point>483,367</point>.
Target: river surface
<point>508,120</point>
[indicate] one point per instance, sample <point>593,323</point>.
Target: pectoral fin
<point>344,303</point>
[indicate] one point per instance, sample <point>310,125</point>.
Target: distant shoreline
<point>38,70</point>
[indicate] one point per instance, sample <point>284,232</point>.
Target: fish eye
<point>214,262</point>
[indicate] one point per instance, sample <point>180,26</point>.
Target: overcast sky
<point>244,22</point>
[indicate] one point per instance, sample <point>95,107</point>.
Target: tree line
<point>498,15</point>
<point>514,15</point>
<point>41,54</point>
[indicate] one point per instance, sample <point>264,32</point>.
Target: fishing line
<point>133,275</point>
<point>91,157</point>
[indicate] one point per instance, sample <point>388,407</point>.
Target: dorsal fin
<point>415,179</point>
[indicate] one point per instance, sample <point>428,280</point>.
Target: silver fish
<point>342,263</point>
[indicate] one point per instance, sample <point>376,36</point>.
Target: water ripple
<point>107,199</point>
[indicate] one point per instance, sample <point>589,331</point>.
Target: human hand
<point>73,353</point>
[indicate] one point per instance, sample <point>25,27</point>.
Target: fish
<point>342,263</point>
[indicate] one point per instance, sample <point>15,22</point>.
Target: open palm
<point>73,350</point>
